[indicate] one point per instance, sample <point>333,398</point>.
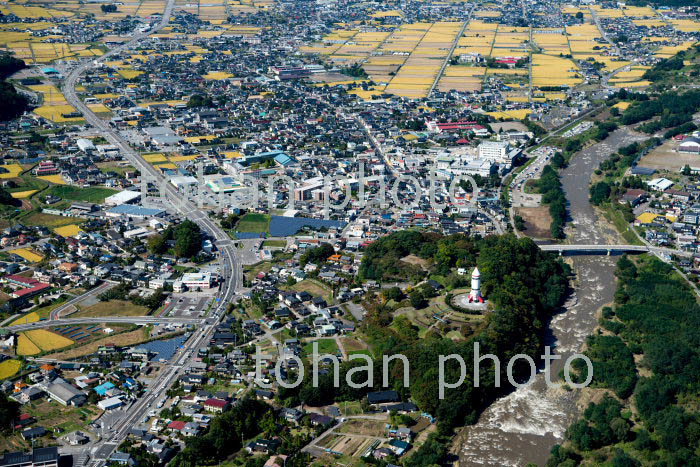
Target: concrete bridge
<point>612,249</point>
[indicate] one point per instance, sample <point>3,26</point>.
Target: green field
<point>74,193</point>
<point>325,346</point>
<point>29,182</point>
<point>115,167</point>
<point>252,222</point>
<point>274,243</point>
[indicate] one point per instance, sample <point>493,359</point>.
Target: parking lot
<point>189,305</point>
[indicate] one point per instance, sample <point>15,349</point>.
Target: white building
<point>110,403</point>
<point>661,184</point>
<point>123,197</point>
<point>194,280</point>
<point>498,152</point>
<point>85,145</point>
<point>183,181</point>
<point>493,150</point>
<point>482,167</point>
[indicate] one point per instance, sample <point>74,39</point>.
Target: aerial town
<point>217,219</point>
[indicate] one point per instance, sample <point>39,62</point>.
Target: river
<point>523,426</point>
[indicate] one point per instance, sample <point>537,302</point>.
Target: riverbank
<point>523,426</point>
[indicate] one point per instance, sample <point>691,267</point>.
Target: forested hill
<point>13,103</point>
<point>653,417</point>
<point>524,286</point>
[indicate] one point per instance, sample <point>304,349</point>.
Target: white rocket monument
<point>475,294</point>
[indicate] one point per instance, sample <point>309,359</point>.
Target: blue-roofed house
<point>131,383</point>
<point>104,387</point>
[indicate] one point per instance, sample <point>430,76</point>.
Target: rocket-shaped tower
<point>475,294</point>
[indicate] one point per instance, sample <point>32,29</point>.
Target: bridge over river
<point>580,249</point>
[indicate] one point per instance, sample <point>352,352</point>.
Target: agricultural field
<point>70,230</point>
<point>49,220</point>
<point>28,254</point>
<point>405,60</point>
<point>419,72</point>
<point>40,340</point>
<point>10,171</point>
<point>549,70</point>
<point>313,287</point>
<point>26,347</point>
<point>47,340</point>
<point>23,194</point>
<point>118,338</point>
<point>55,179</point>
<point>325,346</point>
<point>32,317</point>
<point>54,106</point>
<point>9,368</point>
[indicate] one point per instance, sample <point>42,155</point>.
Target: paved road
<point>230,271</point>
<point>449,54</point>
<point>56,313</point>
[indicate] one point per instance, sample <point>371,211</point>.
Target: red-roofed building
<point>215,405</point>
<point>16,279</point>
<point>436,127</point>
<point>30,291</point>
<point>177,425</point>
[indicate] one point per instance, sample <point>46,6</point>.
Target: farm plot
<point>462,78</point>
<point>417,75</point>
<point>9,368</point>
<point>346,445</point>
<point>28,254</point>
<point>48,340</point>
<point>363,427</point>
<point>66,231</point>
<point>548,70</point>
<point>40,340</point>
<point>10,170</point>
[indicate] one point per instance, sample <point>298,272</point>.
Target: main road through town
<point>231,273</point>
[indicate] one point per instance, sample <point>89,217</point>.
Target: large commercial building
<point>123,197</point>
<point>197,280</point>
<point>498,152</point>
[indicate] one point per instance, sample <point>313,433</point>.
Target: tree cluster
<point>225,436</point>
<point>524,286</point>
<point>549,185</point>
<point>658,317</point>
<point>318,254</point>
<point>186,235</point>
